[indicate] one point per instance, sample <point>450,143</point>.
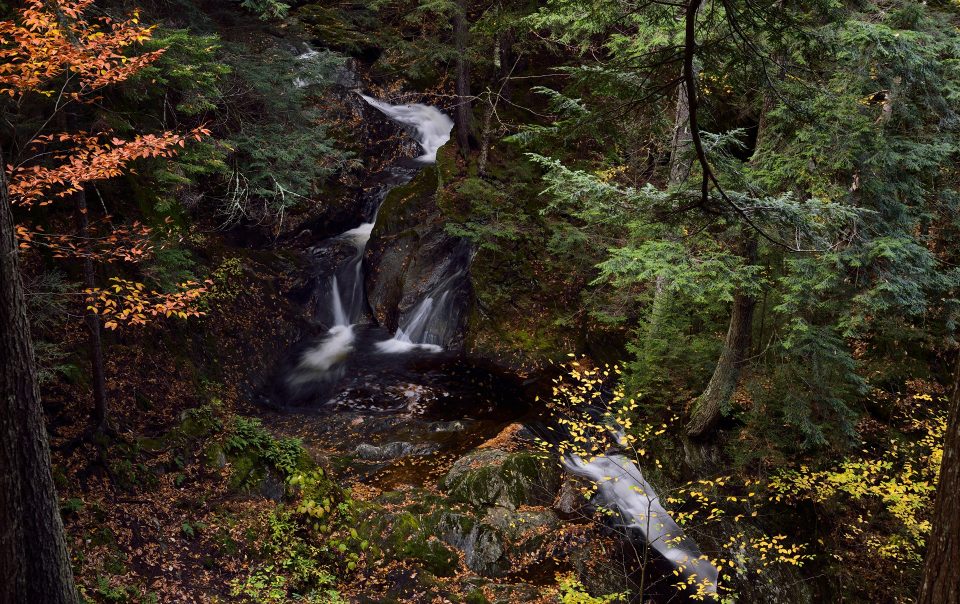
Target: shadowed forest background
<point>479,301</point>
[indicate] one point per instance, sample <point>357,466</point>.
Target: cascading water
<point>428,325</point>
<point>379,382</point>
<point>346,300</point>
<point>622,488</point>
<point>431,125</point>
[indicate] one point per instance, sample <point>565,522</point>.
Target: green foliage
<point>881,497</point>
<point>494,220</point>
<point>246,437</point>
<point>266,9</point>
<point>285,151</point>
<point>169,267</point>
<point>295,571</point>
<point>570,591</point>
<point>307,545</point>
<point>227,282</point>
<point>107,591</point>
<point>187,76</point>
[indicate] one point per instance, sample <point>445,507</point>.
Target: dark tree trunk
<point>92,321</point>
<point>34,563</point>
<point>681,153</point>
<point>681,162</point>
<point>941,571</point>
<point>486,131</point>
<point>708,407</point>
<point>463,113</point>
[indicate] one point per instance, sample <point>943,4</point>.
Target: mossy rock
<point>245,472</point>
<point>415,537</point>
<point>406,206</point>
<point>517,525</point>
<point>214,456</point>
<point>489,477</point>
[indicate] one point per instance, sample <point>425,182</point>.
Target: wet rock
<point>411,257</point>
<point>497,544</point>
<point>482,545</point>
<point>517,524</point>
<point>488,477</point>
<point>272,486</point>
<point>392,450</point>
<point>570,497</point>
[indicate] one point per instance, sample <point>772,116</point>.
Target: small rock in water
<point>451,426</point>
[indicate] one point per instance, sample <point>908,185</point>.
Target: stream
<point>359,389</point>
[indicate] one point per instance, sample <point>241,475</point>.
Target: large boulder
<point>488,477</point>
<point>410,257</point>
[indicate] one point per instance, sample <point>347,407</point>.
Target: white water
<point>339,315</point>
<point>402,341</point>
<point>432,126</point>
<point>621,487</point>
<point>317,363</point>
<point>425,326</point>
<point>346,298</point>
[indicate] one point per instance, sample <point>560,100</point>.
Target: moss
<point>333,27</point>
<point>476,597</point>
<point>405,206</point>
<point>391,497</point>
<point>414,537</point>
<point>214,456</point>
<point>492,477</point>
<point>245,471</point>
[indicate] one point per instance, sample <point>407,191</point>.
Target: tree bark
<point>488,109</point>
<point>99,413</point>
<point>681,156</point>
<point>708,407</point>
<point>34,563</point>
<point>462,116</point>
<point>941,571</point>
<point>681,162</point>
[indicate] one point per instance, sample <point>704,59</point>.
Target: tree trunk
<point>681,158</point>
<point>681,162</point>
<point>708,407</point>
<point>488,109</point>
<point>34,563</point>
<point>92,321</point>
<point>462,116</point>
<point>941,571</point>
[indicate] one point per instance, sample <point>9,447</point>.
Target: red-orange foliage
<point>55,37</point>
<point>90,158</point>
<point>53,49</point>
<point>127,302</point>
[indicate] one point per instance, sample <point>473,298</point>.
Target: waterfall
<point>403,340</point>
<point>621,488</point>
<point>321,362</point>
<point>346,297</point>
<point>431,125</point>
<point>347,300</point>
<point>339,316</point>
<point>428,326</point>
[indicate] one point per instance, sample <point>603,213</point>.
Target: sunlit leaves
<point>130,303</point>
